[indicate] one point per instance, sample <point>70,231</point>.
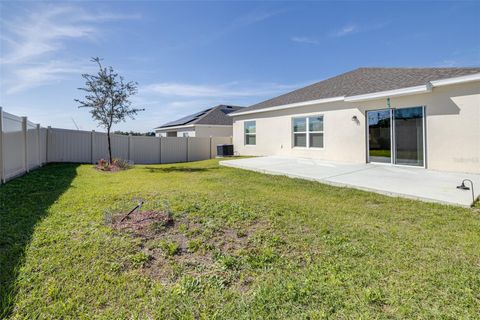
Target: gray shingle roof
<point>363,81</point>
<point>211,116</point>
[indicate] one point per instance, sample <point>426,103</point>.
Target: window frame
<point>307,131</point>
<point>245,134</point>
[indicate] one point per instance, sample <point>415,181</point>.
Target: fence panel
<point>13,146</point>
<point>218,141</point>
<point>100,146</point>
<point>69,146</point>
<point>25,145</point>
<point>198,148</point>
<point>174,149</point>
<point>43,146</point>
<point>145,150</point>
<point>33,156</point>
<point>119,146</point>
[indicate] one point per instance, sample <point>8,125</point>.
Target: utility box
<point>225,150</point>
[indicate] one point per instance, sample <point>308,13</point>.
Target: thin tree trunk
<point>109,146</point>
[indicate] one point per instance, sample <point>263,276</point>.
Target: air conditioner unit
<point>225,150</point>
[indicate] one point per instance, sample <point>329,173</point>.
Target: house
<point>212,122</point>
<point>423,117</point>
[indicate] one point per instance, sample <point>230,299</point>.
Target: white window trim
<point>307,132</point>
<point>245,134</point>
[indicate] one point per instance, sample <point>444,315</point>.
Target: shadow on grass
<point>23,203</point>
<point>178,169</point>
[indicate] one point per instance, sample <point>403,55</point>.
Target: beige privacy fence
<point>25,146</point>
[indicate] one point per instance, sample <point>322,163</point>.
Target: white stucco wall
<point>199,131</point>
<point>180,132</point>
<point>452,129</point>
<point>213,131</point>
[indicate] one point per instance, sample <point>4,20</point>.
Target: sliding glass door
<point>379,136</point>
<point>396,136</point>
<point>409,136</point>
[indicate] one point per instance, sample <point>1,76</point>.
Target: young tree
<point>107,96</point>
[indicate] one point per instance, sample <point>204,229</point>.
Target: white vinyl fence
<point>25,146</point>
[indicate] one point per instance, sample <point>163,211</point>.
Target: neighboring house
<point>212,122</point>
<point>424,117</point>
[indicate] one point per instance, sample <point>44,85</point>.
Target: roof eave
<point>371,96</point>
<point>389,93</point>
<point>288,106</point>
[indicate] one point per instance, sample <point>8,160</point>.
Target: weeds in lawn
<point>249,246</point>
<point>139,260</point>
<point>170,248</point>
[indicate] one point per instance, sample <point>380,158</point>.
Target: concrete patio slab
<point>408,182</point>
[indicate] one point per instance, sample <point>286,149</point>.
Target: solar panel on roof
<point>186,119</point>
<point>227,111</point>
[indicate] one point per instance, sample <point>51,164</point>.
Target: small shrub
<point>115,165</point>
<point>103,165</point>
<point>121,163</point>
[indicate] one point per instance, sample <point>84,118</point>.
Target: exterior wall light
<point>464,187</point>
<point>355,119</point>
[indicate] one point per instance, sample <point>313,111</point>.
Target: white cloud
<point>32,41</point>
<point>238,23</point>
<point>37,75</point>
<point>307,40</point>
<point>351,28</point>
<point>172,100</point>
<point>227,90</point>
<point>254,17</point>
<point>346,30</point>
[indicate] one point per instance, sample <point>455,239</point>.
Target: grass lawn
<point>257,246</point>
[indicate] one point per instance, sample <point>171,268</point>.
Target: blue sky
<point>187,56</point>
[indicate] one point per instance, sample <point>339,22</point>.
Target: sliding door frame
<point>393,148</point>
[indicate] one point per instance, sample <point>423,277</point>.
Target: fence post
<point>187,147</point>
<point>47,151</point>
<point>160,150</point>
<point>25,140</point>
<point>2,176</point>
<point>129,144</point>
<point>92,147</point>
<point>39,156</point>
<point>210,147</point>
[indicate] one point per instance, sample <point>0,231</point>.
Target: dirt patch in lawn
<point>142,223</point>
<point>179,247</point>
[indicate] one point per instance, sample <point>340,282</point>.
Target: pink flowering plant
<point>115,165</point>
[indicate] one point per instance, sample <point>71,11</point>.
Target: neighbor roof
<point>364,81</point>
<point>211,116</point>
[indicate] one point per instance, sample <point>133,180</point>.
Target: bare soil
<point>200,247</point>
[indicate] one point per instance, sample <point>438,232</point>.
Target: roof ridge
<point>196,117</point>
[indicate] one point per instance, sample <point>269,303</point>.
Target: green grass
<point>317,252</point>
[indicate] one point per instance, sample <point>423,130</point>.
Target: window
<point>250,132</point>
<point>308,132</point>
